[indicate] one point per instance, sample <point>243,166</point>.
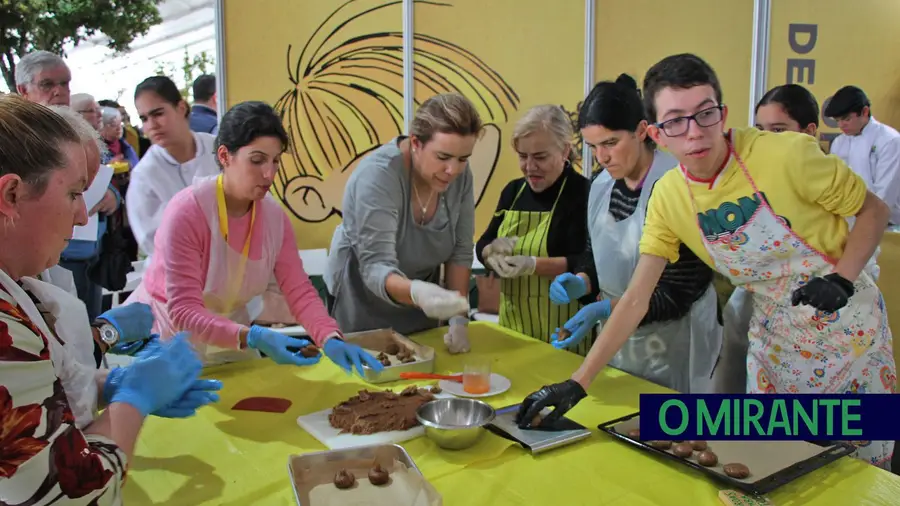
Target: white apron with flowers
<point>799,349</point>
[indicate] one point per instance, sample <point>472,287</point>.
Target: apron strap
<point>223,216</point>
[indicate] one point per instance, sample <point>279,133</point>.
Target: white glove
<point>457,337</point>
<point>437,302</point>
<point>500,246</point>
<point>512,267</point>
<point>497,263</point>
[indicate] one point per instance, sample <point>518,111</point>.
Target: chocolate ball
<point>683,450</point>
<point>344,479</point>
<point>699,445</point>
<point>309,351</point>
<point>661,445</point>
<point>707,458</point>
<point>392,349</point>
<point>737,470</point>
<point>378,475</point>
<point>436,389</point>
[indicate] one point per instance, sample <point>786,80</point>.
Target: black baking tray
<point>832,451</point>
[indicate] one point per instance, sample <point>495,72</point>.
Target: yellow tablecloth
<point>236,458</point>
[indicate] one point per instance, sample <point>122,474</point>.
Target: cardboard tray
<point>772,463</point>
<point>312,478</point>
<point>377,340</point>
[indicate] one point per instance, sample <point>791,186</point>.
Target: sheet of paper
<point>92,197</point>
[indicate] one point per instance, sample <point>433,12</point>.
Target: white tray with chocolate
<point>396,352</point>
<point>371,417</point>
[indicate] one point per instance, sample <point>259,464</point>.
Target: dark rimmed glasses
<point>676,127</point>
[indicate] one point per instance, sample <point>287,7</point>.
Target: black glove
<point>828,293</point>
<point>563,396</point>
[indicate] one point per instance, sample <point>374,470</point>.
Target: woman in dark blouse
<point>539,229</point>
<point>679,339</point>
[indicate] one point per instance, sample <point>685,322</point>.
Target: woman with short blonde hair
<point>539,229</point>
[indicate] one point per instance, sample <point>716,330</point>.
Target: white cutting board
<point>319,427</point>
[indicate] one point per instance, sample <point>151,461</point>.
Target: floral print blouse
<point>44,458</point>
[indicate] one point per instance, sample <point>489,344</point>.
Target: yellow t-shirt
<point>813,191</point>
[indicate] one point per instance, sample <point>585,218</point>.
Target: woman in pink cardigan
<point>222,241</point>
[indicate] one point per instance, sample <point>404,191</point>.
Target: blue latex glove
<point>280,348</point>
<point>201,393</point>
<point>158,377</point>
<point>580,325</point>
<point>133,347</point>
<point>134,322</point>
<point>566,288</point>
<point>342,354</point>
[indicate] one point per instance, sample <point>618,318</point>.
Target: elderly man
<point>43,77</point>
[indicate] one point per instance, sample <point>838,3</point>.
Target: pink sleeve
<point>299,292</point>
<point>186,249</point>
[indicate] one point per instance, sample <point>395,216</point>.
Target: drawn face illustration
<point>353,81</point>
<point>617,151</point>
<point>541,159</point>
<point>442,159</point>
<point>253,167</point>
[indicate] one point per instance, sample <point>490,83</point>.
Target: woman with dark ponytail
<point>678,341</point>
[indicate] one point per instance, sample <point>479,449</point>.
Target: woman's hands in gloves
<point>133,322</point>
<point>501,246</point>
<point>828,293</point>
<point>280,348</point>
<point>347,355</point>
<point>567,287</point>
<point>515,266</point>
<point>436,302</point>
<point>159,376</point>
<point>561,396</point>
<point>581,324</point>
<point>457,337</point>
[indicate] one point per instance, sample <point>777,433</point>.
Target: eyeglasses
<point>679,126</point>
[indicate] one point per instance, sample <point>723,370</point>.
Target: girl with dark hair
<point>220,243</point>
<point>176,157</point>
<point>789,107</point>
<point>679,338</point>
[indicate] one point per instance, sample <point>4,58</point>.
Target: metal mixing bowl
<point>455,423</point>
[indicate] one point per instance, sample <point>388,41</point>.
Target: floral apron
<point>799,349</point>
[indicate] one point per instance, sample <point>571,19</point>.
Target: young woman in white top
<point>176,157</point>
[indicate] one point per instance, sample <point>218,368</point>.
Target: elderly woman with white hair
<point>539,229</point>
<point>112,131</point>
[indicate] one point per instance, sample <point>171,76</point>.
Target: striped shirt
<point>682,283</point>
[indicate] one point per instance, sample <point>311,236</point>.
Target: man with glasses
<point>43,77</point>
<point>768,211</point>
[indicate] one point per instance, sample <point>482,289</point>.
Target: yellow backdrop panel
<point>632,35</point>
<point>334,70</point>
<point>826,44</point>
<point>506,56</point>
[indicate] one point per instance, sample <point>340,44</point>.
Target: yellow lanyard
<point>223,217</point>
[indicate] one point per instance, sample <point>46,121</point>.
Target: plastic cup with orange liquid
<point>477,375</point>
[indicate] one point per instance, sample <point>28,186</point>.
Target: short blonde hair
<point>447,113</point>
<point>31,141</point>
<point>551,119</point>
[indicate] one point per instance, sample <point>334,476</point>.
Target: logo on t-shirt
<point>730,216</point>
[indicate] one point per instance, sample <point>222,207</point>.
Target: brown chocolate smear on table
<point>683,450</point>
<point>392,349</point>
<point>660,445</point>
<point>707,458</point>
<point>699,445</point>
<point>378,475</point>
<point>344,479</point>
<point>736,470</point>
<point>265,404</point>
<point>366,413</point>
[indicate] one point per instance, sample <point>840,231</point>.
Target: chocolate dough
<point>392,349</point>
<point>737,470</point>
<point>267,404</point>
<point>683,450</point>
<point>707,458</point>
<point>378,411</point>
<point>378,475</point>
<point>344,479</point>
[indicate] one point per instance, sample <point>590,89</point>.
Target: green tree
<point>26,25</point>
<point>192,67</point>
